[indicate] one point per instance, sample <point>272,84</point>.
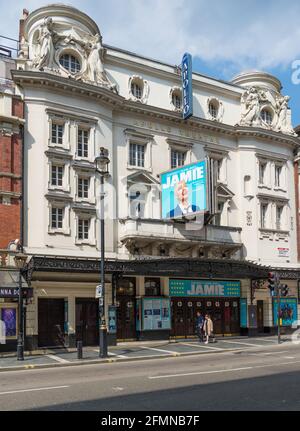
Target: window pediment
<point>141,178</point>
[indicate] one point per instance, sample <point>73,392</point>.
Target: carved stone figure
<point>284,121</point>
<point>45,57</point>
<point>250,102</point>
<point>95,70</point>
<point>282,107</point>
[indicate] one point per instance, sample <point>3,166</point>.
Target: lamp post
<point>101,163</point>
<point>20,260</point>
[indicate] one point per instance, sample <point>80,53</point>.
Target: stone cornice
<point>120,104</point>
<point>41,79</point>
<point>11,119</point>
<point>14,195</point>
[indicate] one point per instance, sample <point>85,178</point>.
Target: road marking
<point>240,342</point>
<point>160,350</point>
<point>113,354</point>
<point>116,354</point>
<point>202,346</point>
<point>118,389</point>
<point>224,371</point>
<point>265,339</point>
<point>58,359</point>
<point>267,354</point>
<point>199,373</point>
<point>33,390</point>
<point>289,357</point>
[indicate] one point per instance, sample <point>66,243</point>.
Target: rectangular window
<point>83,143</point>
<point>83,229</point>
<point>137,155</point>
<point>219,167</point>
<point>57,215</point>
<point>177,159</point>
<point>279,211</point>
<point>263,215</point>
<point>262,172</point>
<point>278,170</point>
<point>57,175</point>
<point>57,134</point>
<point>83,187</point>
<point>152,287</point>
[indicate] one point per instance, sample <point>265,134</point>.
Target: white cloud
<point>248,34</point>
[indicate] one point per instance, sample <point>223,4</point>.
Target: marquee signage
<point>10,292</point>
<point>187,89</point>
<point>204,288</point>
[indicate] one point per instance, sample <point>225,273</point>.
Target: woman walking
<point>208,328</point>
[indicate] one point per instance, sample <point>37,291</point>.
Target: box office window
<point>126,287</point>
<point>152,287</point>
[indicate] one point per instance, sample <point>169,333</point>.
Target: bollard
<point>79,349</point>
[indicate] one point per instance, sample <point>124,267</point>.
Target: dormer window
<point>213,110</point>
<point>136,90</point>
<point>70,63</point>
<point>176,99</point>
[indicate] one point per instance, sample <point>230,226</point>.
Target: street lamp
<point>20,261</point>
<point>101,163</point>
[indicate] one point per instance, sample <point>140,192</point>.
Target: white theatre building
<point>81,94</point>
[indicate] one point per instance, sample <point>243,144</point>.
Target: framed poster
<point>112,319</point>
<point>9,318</point>
<point>243,316</point>
<point>288,311</point>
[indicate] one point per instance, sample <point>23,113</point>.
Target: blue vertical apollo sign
<point>187,89</point>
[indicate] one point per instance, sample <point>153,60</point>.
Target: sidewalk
<point>133,351</point>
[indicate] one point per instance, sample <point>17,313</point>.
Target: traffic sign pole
<point>278,307</point>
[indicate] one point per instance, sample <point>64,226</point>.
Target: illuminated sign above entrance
<point>204,288</point>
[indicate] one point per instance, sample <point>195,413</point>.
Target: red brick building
<point>11,131</point>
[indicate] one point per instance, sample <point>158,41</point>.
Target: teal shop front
<point>219,298</point>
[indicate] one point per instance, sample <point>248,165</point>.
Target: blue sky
<point>224,36</point>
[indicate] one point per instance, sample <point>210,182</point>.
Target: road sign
<point>99,291</point>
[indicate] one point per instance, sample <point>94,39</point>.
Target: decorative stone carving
<point>95,70</point>
<point>45,45</point>
<point>284,118</point>
<point>144,86</point>
<point>256,100</point>
<point>52,40</point>
<point>250,107</point>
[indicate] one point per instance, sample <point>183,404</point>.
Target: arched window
<point>70,63</point>
<point>266,116</point>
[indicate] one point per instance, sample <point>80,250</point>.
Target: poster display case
<point>153,314</point>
